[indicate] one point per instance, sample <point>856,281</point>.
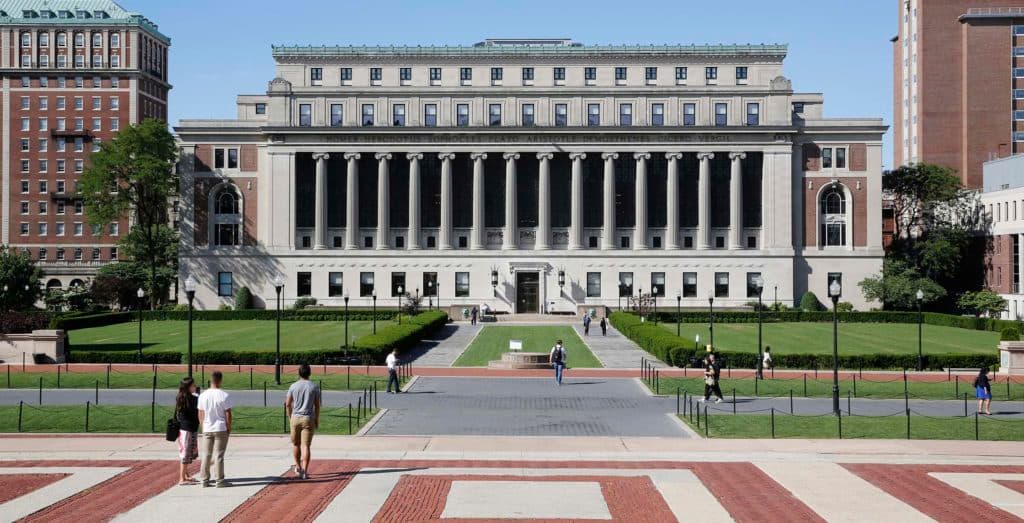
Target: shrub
<point>303,302</point>
<point>656,340</point>
<point>223,307</point>
<point>844,306</point>
<point>810,303</point>
<point>172,358</point>
<point>1009,334</point>
<point>23,322</point>
<point>71,322</point>
<point>243,299</point>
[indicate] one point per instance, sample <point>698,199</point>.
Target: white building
<point>689,170</point>
<point>1003,201</point>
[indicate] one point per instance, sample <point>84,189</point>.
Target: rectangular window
<point>95,254</point>
<point>316,75</point>
<point>752,280</point>
<point>625,114</point>
<point>593,115</point>
<point>650,73</point>
<point>225,284</point>
<point>366,284</point>
<point>658,284</point>
<point>721,285</point>
<point>527,74</point>
<point>689,285</point>
<point>430,115</point>
<point>721,114</point>
<point>798,107</point>
<point>826,158</point>
<point>336,115</point>
<point>711,73</point>
<point>466,74</point>
<point>430,284</point>
<point>528,115</point>
<point>593,285</point>
<point>753,114</point>
<point>494,114</point>
<point>304,284</point>
<point>398,287</point>
<point>346,74</point>
<point>840,158</point>
<point>218,158</point>
<point>398,115</point>
<point>435,75</point>
<point>561,115</point>
<point>658,114</point>
<point>115,103</point>
<point>625,284</point>
<point>461,284</point>
<point>680,73</point>
<point>590,73</point>
<point>305,115</point>
<point>559,74</point>
<point>375,75</point>
<point>232,158</point>
<point>497,73</point>
<point>462,115</point>
<point>367,115</point>
<point>620,74</point>
<point>741,73</point>
<point>405,74</point>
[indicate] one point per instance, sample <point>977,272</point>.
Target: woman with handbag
<point>186,413</point>
<point>712,372</point>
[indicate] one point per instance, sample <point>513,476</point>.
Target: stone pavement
<point>444,346</point>
<point>615,350</point>
<point>133,478</point>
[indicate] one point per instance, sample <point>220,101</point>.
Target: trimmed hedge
<point>125,356</point>
<point>109,318</point>
<point>792,316</point>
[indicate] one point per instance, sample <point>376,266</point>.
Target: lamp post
<point>620,295</point>
<point>140,294</point>
<point>711,321</point>
<point>346,322</point>
<point>654,297</point>
<point>374,295</point>
<point>278,286</point>
<point>679,311</point>
<point>640,302</point>
<point>835,290</point>
<point>430,294</point>
<point>920,322</point>
<point>759,287</point>
<point>776,300</point>
<point>190,293</point>
<point>561,282</point>
<point>399,304</point>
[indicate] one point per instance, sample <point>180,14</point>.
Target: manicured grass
<point>854,338</point>
<point>255,335</point>
<point>141,419</point>
<point>237,380</point>
<point>492,342</point>
<point>827,427</point>
<point>821,387</point>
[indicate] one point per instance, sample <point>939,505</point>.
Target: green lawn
<point>822,387</point>
<point>140,419</point>
<point>854,338</point>
<point>172,335</point>
<point>492,342</point>
<point>827,427</point>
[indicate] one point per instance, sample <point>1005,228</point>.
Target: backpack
<point>559,355</point>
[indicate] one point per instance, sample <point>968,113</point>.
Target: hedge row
<point>110,318</point>
<point>23,322</point>
<point>680,352</point>
<point>929,318</point>
<point>371,348</point>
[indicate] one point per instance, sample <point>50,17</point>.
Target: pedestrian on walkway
<point>604,326</point>
<point>215,416</point>
<point>186,411</point>
<point>557,359</point>
<point>303,405</point>
<point>586,324</point>
<point>712,373</point>
<point>766,363</point>
<point>472,316</point>
<point>392,363</point>
<point>983,390</point>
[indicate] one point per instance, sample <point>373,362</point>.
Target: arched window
<point>76,283</point>
<point>227,202</point>
<point>227,218</point>
<point>115,40</point>
<point>53,284</point>
<point>833,217</point>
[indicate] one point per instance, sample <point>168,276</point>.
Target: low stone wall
<point>49,343</point>
<point>1011,357</point>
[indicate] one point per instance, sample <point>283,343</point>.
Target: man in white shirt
<point>215,417</point>
<point>392,361</point>
<point>557,358</point>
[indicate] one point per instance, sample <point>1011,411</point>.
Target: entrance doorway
<point>527,293</point>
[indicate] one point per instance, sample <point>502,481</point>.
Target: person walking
<point>557,359</point>
<point>392,363</point>
<point>983,390</point>
<point>215,417</point>
<point>186,411</point>
<point>604,326</point>
<point>766,362</point>
<point>586,324</point>
<point>712,373</point>
<point>473,315</point>
<point>303,405</point>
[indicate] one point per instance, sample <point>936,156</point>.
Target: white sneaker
<point>702,400</point>
<point>719,400</point>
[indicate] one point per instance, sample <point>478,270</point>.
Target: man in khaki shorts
<point>303,405</point>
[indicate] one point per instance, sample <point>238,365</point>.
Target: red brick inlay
<point>14,486</point>
<point>423,498</point>
<point>1015,485</point>
<point>297,500</point>
<point>936,499</point>
<point>751,495</point>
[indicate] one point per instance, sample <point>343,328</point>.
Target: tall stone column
<point>510,240</point>
<point>476,237</point>
<point>703,201</point>
<point>320,216</point>
<point>576,216</point>
<point>672,202</point>
<point>544,202</point>
<point>608,237</point>
<point>445,232</point>
<point>640,231</point>
<point>352,205</point>
<point>383,202</point>
<point>736,200</point>
<point>414,200</point>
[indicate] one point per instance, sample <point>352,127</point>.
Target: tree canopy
<point>20,288</point>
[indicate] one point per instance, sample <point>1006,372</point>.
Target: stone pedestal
<point>1011,358</point>
<point>47,343</point>
<point>522,360</point>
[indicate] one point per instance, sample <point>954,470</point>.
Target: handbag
<point>709,380</point>
<point>173,429</point>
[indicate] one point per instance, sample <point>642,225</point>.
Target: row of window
<point>62,124</point>
<point>77,253</point>
<point>527,116</point>
<point>42,229</point>
<point>44,186</point>
<point>527,75</point>
<point>78,102</point>
<point>225,158</point>
<point>1004,211</point>
<point>61,207</point>
<point>78,82</point>
<point>62,39</point>
<point>78,63</point>
<point>43,166</point>
<point>43,145</point>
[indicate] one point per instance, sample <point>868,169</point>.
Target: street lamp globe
<point>374,293</point>
<point>190,284</point>
<point>399,290</point>
<point>835,289</point>
<point>759,284</point>
<point>140,293</point>
<point>278,281</point>
<point>920,295</point>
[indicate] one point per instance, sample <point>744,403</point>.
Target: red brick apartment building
<point>73,72</point>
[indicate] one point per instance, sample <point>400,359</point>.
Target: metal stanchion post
<point>87,416</point>
<point>264,393</point>
<point>21,405</point>
<point>734,401</point>
<point>773,422</point>
<point>350,418</point>
<point>97,392</point>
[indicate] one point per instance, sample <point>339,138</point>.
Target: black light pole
<point>711,321</point>
<point>346,322</point>
<point>654,296</point>
<point>620,296</point>
<point>141,294</point>
<point>834,291</point>
<point>679,311</point>
<point>759,286</point>
<point>776,302</point>
<point>561,281</point>
<point>400,304</point>
<point>640,302</point>
<point>190,292</point>
<point>430,294</point>
<point>920,322</point>
<point>278,285</point>
<point>374,294</point>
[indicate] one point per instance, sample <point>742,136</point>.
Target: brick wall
<point>204,158</point>
<point>249,191</point>
<point>249,160</point>
<point>999,266</point>
<point>812,188</point>
<point>858,157</point>
<point>812,157</point>
<point>201,213</point>
<point>987,119</point>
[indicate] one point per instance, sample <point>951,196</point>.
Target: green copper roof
<point>65,12</point>
<point>529,50</point>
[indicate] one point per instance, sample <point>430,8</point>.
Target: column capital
<point>321,156</point>
<point>545,156</point>
<point>642,156</point>
<point>577,156</point>
<point>609,156</point>
<point>673,156</point>
<point>382,156</point>
<point>477,156</point>
<point>705,156</point>
<point>446,156</point>
<point>510,156</point>
<point>352,156</point>
<point>414,156</point>
<point>737,156</point>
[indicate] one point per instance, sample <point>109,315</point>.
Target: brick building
<point>73,73</point>
<point>958,83</point>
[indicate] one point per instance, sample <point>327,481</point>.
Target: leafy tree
<point>116,284</point>
<point>919,192</point>
<point>139,164</point>
<point>20,280</point>
<point>982,303</point>
<point>897,286</point>
<point>75,299</point>
<point>243,299</point>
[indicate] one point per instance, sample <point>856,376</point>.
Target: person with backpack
<point>186,412</point>
<point>586,324</point>
<point>983,390</point>
<point>557,359</point>
<point>712,373</point>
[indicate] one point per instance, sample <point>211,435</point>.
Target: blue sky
<point>221,48</point>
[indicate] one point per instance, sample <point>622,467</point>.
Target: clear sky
<point>221,48</point>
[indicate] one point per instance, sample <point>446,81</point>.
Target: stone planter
<point>1011,357</point>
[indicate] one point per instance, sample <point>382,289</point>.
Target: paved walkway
<point>444,347</point>
<point>615,350</point>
